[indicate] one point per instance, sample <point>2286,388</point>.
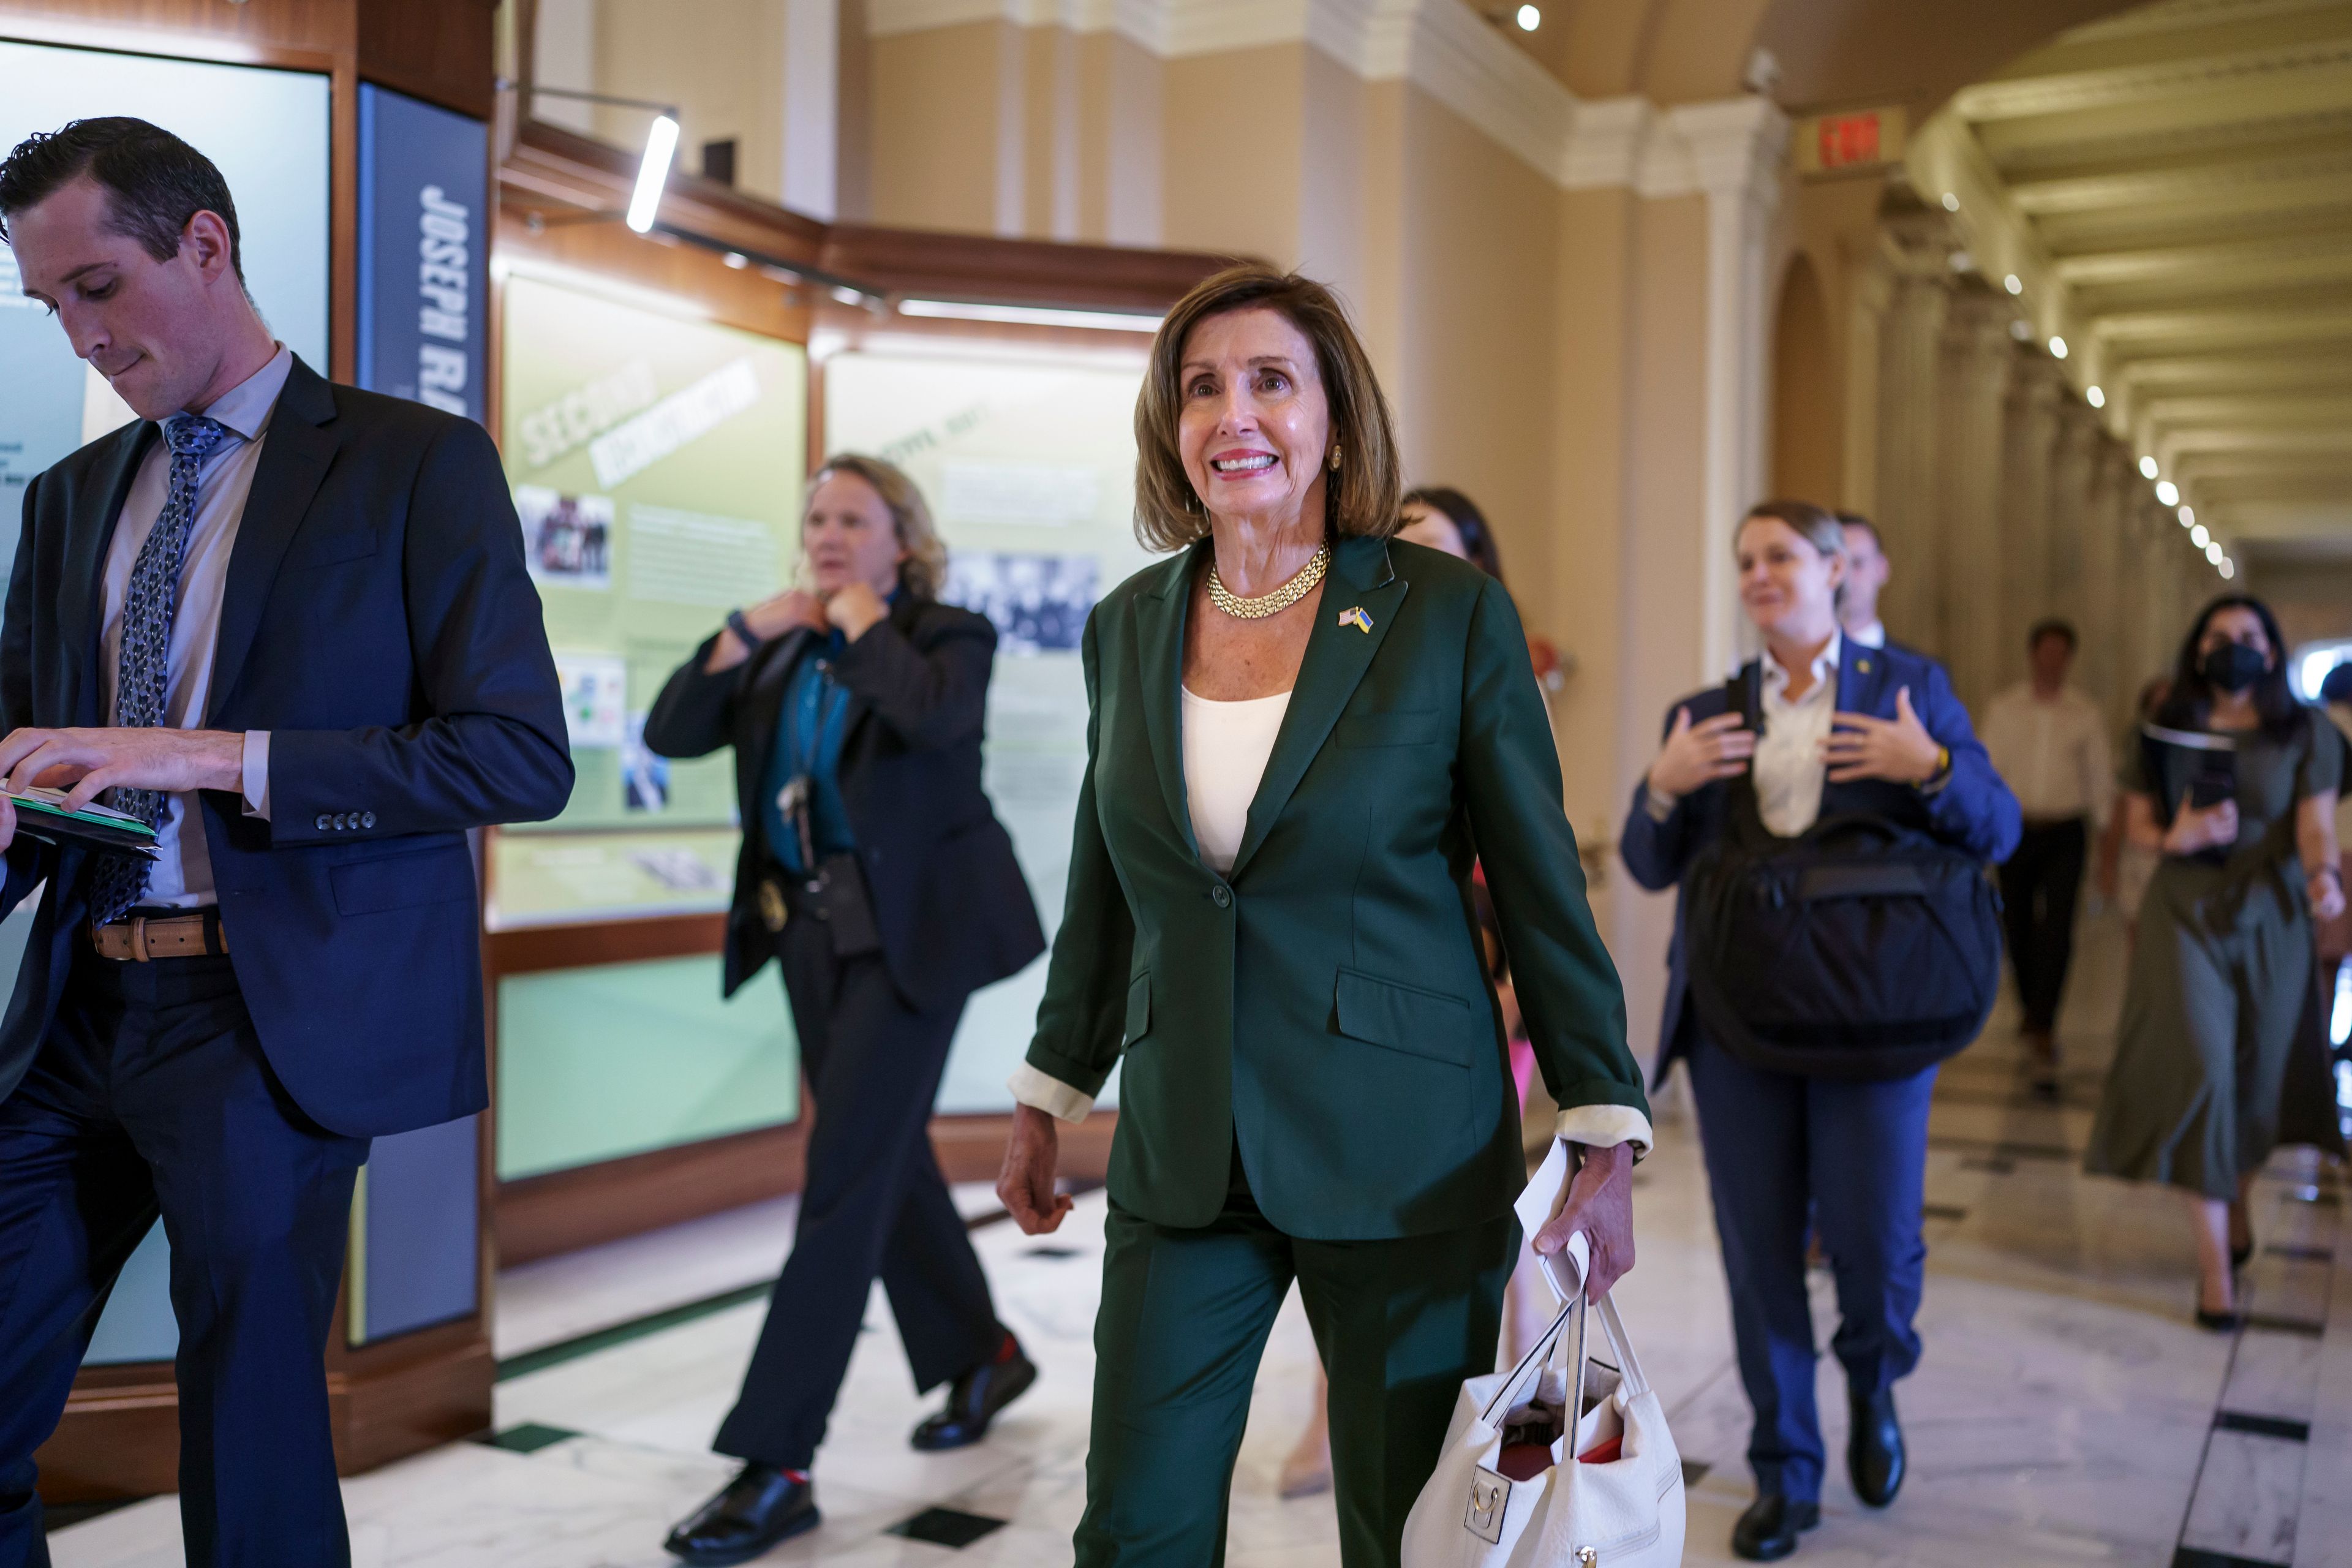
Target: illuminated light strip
<point>1032,315</point>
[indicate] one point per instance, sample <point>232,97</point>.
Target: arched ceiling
<point>2188,167</point>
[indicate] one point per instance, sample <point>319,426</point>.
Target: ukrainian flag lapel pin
<point>1354,616</point>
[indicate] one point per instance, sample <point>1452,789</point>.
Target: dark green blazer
<point>1325,1004</point>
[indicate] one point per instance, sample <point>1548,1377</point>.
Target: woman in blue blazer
<point>1847,730</point>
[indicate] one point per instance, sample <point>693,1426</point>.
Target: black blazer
<point>378,620</point>
<point>950,903</point>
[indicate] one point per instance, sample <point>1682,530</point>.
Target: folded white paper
<point>1547,1193</point>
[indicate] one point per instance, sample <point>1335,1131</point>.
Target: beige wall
<point>936,129</point>
<point>724,68</point>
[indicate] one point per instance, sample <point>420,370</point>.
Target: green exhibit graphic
<point>1029,466</point>
<point>656,460</point>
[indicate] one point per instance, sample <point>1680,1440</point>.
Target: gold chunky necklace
<point>1301,583</point>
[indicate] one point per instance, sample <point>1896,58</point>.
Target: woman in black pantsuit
<point>874,869</point>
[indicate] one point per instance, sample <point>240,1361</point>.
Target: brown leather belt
<point>141,940</point>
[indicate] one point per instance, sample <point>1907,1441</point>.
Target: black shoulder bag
<point>1860,950</point>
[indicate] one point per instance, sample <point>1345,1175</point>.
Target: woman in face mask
<point>2234,785</point>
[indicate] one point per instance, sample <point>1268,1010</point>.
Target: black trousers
<point>2039,885</point>
<point>151,1095</point>
<point>875,1204</point>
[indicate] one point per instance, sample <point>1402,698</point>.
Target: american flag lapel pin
<point>1354,616</point>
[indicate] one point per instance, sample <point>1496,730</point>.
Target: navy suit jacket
<point>950,903</point>
<point>1974,810</point>
<point>378,620</point>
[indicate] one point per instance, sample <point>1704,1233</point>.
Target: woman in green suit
<point>1303,733</point>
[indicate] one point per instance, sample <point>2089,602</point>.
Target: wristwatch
<point>743,630</point>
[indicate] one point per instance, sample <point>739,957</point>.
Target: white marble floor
<point>2068,1411</point>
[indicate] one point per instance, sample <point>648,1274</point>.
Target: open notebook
<point>42,814</point>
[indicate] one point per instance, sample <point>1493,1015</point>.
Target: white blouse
<point>1789,768</point>
<point>1226,745</point>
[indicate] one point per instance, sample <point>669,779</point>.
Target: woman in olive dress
<point>2234,785</point>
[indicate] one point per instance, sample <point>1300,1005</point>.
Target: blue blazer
<point>1974,810</point>
<point>378,620</point>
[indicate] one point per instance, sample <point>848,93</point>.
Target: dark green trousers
<point>1183,1322</point>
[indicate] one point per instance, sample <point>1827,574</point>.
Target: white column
<point>1910,345</point>
<point>812,158</point>
<point>2028,445</point>
<point>1967,562</point>
<point>1735,149</point>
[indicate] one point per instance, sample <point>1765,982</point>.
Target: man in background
<point>286,625</point>
<point>2049,743</point>
<point>1865,576</point>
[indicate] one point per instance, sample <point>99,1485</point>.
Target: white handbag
<point>1624,1513</point>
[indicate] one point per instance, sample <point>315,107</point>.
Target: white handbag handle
<point>1631,1378</point>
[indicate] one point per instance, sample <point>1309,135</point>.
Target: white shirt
<point>182,874</point>
<point>1789,768</point>
<point>2054,756</point>
<point>1871,636</point>
<point>1225,748</point>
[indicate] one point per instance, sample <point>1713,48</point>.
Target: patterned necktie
<point>142,675</point>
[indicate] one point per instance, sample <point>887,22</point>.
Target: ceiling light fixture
<point>2012,284</point>
<point>1952,202</point>
<point>2199,536</point>
<point>2228,568</point>
<point>2057,348</point>
<point>2187,517</point>
<point>653,172</point>
<point>1529,18</point>
<point>1032,315</point>
<point>2168,492</point>
<point>2093,396</point>
<point>2214,552</point>
<point>661,146</point>
<point>2147,467</point>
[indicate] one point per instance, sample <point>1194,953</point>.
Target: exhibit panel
<point>657,458</point>
<point>1028,460</point>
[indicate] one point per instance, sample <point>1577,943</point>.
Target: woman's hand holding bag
<point>1609,1494</point>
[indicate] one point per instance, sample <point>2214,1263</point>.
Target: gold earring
<point>1335,457</point>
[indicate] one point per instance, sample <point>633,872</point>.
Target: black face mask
<point>2233,666</point>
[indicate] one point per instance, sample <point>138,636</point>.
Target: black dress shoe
<point>759,1507</point>
<point>1768,1530</point>
<point>2220,1323</point>
<point>974,1399</point>
<point>1874,1452</point>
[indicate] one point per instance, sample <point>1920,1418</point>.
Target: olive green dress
<point>2221,977</point>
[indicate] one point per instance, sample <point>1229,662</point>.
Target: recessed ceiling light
<point>2188,516</point>
<point>2093,396</point>
<point>1529,18</point>
<point>1952,202</point>
<point>2213,554</point>
<point>2168,492</point>
<point>2147,467</point>
<point>2012,284</point>
<point>2199,536</point>
<point>2228,568</point>
<point>2057,348</point>
<point>736,259</point>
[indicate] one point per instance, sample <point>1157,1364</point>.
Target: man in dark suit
<point>288,624</point>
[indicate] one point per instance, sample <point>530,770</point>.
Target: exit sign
<point>1855,140</point>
